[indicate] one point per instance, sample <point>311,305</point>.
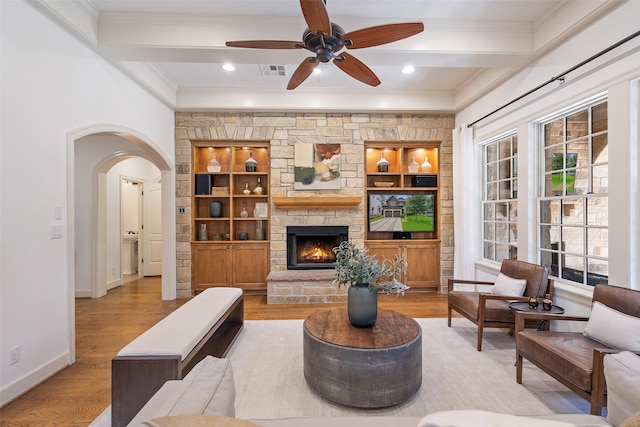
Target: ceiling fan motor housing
<point>324,47</point>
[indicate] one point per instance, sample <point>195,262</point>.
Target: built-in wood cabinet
<point>402,208</point>
<point>230,215</point>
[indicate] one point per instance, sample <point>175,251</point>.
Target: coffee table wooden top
<point>391,329</point>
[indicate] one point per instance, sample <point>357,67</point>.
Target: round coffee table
<point>362,367</point>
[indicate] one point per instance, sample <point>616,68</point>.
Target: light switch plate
<point>56,231</point>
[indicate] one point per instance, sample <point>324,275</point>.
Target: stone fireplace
<point>310,247</point>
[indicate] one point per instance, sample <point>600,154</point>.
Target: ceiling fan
<point>329,41</point>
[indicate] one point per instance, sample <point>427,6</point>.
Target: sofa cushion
<point>505,285</point>
<point>476,418</point>
<point>613,328</point>
<point>365,420</point>
<point>622,371</point>
<point>570,354</point>
<point>208,389</point>
<point>192,420</point>
<point>634,421</point>
<point>469,302</point>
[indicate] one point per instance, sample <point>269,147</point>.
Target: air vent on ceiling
<point>273,70</point>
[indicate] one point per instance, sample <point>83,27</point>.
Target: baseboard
<point>84,294</point>
<point>33,378</point>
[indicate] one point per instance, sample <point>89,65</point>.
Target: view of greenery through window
<point>573,206</point>
<point>499,205</point>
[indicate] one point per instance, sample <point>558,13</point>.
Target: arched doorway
<point>92,151</point>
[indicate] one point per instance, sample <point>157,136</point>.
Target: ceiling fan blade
<point>303,71</point>
<point>266,44</point>
<point>316,16</point>
<point>356,69</point>
<point>381,34</point>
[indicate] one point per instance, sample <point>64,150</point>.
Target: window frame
<point>583,201</point>
<point>493,248</point>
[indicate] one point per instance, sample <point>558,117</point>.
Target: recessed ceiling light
<point>408,69</point>
<point>228,67</point>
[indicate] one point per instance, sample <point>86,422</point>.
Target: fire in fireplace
<point>310,247</point>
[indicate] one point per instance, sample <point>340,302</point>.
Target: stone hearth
<point>303,287</point>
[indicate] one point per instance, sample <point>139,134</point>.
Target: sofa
<point>206,396</point>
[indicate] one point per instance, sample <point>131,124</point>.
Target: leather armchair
<point>492,311</point>
<point>570,357</point>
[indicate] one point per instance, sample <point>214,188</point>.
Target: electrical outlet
<point>14,355</point>
<point>182,210</point>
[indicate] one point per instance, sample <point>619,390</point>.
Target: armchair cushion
<point>613,328</point>
<point>505,285</point>
<point>622,373</point>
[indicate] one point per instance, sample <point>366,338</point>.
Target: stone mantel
<point>323,203</point>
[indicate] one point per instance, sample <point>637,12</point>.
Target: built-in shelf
<point>322,203</point>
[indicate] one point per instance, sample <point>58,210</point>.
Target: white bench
<point>206,325</point>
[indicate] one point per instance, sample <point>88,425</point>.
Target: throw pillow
<point>192,420</point>
<point>476,418</point>
<point>622,373</point>
<point>613,328</point>
<point>505,285</point>
<point>634,421</point>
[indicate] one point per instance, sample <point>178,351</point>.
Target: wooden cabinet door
<point>382,251</point>
<point>250,266</point>
<point>210,266</point>
<point>424,265</point>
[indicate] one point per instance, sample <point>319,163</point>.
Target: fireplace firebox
<point>310,247</point>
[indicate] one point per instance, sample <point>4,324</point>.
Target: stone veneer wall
<point>283,130</point>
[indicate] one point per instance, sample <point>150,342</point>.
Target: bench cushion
<point>622,372</point>
<point>208,389</point>
<point>179,332</point>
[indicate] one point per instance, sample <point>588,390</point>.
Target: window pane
<point>577,125</point>
<point>573,211</point>
<point>505,190</point>
<point>577,181</point>
<point>505,148</point>
<point>573,268</point>
<point>513,211</point>
<point>546,260</point>
<point>550,212</point>
<point>599,118</point>
<point>549,236</point>
<point>598,211</point>
<point>553,132</point>
<point>502,252</point>
<point>515,145</point>
<point>513,233</point>
<point>489,212</point>
<point>489,251</point>
<point>492,191</point>
<point>600,179</point>
<point>573,239</point>
<point>492,172</point>
<point>598,271</point>
<point>598,242</point>
<point>505,169</point>
<point>501,211</point>
<point>502,232</point>
<point>577,154</point>
<point>600,149</point>
<point>489,230</point>
<point>492,153</point>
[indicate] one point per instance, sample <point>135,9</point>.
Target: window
<point>573,206</point>
<point>499,205</point>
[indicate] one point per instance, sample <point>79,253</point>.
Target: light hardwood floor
<point>78,394</point>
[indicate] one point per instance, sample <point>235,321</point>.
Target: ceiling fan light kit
<point>328,41</point>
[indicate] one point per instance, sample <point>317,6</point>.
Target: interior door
<point>151,257</point>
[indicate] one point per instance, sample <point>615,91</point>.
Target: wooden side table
<point>524,306</point>
<point>362,367</point>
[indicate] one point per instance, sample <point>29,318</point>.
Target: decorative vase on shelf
<point>244,213</point>
<point>426,166</point>
<point>259,231</point>
<point>258,189</point>
<point>413,165</point>
<point>383,164</point>
<point>246,189</point>
<point>213,165</point>
<point>202,232</point>
<point>215,209</point>
<point>362,305</point>
<point>250,164</point>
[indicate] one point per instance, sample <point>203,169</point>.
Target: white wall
<point>613,73</point>
<point>51,86</point>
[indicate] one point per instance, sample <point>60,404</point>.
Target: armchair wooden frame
<point>573,347</point>
<point>535,275</point>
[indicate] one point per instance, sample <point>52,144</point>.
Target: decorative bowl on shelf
<point>383,184</point>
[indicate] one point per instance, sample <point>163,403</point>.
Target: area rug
<point>267,367</point>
